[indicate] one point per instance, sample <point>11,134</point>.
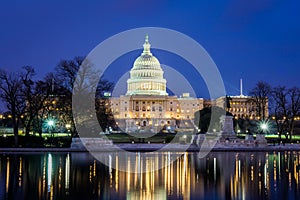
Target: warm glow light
<point>68,126</point>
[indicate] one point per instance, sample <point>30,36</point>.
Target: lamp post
<point>264,127</point>
<point>50,125</point>
<point>260,138</point>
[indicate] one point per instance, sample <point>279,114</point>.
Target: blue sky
<point>254,40</point>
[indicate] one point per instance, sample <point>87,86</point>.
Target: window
<point>153,108</point>
<point>160,108</point>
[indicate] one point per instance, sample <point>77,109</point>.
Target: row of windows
<point>160,115</point>
<point>153,102</point>
<point>238,109</point>
<point>146,109</point>
<point>160,108</point>
<point>241,103</point>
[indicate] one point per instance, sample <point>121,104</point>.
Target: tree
<point>11,85</point>
<point>35,93</point>
<point>286,107</point>
<point>103,111</point>
<point>261,93</point>
<point>294,107</point>
<point>204,118</point>
<point>77,77</point>
<point>280,109</point>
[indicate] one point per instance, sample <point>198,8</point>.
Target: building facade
<point>241,106</point>
<point>146,106</point>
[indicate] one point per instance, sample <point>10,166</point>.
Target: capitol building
<point>146,106</point>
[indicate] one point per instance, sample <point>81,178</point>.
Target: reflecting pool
<point>220,175</point>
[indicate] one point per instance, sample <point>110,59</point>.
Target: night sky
<point>254,40</point>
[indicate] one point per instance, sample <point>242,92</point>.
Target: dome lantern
<point>147,47</point>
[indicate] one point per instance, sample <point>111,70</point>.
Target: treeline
<point>283,104</point>
<point>29,101</point>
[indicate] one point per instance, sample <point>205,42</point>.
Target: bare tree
<point>260,94</point>
<point>36,93</point>
<point>294,108</point>
<point>78,77</point>
<point>280,109</point>
<point>286,108</point>
<point>11,85</point>
<point>66,72</point>
<point>102,105</point>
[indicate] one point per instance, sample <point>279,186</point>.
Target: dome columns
<point>146,76</point>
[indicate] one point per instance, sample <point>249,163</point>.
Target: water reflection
<point>217,176</point>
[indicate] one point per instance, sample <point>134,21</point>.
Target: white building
<point>147,105</point>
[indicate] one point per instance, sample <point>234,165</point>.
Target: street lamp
<point>50,123</point>
<point>264,127</point>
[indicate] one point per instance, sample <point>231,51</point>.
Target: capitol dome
<point>146,75</point>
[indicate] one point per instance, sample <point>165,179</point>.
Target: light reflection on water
<point>222,175</point>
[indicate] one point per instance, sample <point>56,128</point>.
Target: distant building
<point>241,106</point>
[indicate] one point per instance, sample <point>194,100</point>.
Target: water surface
<point>220,175</point>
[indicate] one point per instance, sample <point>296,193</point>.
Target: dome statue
<point>146,75</point>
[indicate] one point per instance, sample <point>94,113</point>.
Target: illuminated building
<point>147,104</point>
<point>241,106</point>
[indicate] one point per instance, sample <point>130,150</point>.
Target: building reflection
<point>218,176</point>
